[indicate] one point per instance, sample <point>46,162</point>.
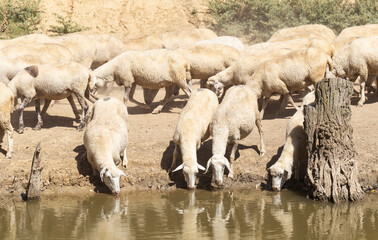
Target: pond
<point>182,214</point>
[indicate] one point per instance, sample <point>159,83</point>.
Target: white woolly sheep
<point>51,82</point>
<point>205,61</point>
<point>358,59</point>
<point>304,31</point>
<point>10,67</point>
<point>6,108</point>
<point>107,47</point>
<point>105,139</point>
<point>234,120</point>
<point>30,38</point>
<point>289,73</point>
<point>192,129</point>
<point>351,33</point>
<point>293,150</point>
<point>294,45</point>
<point>144,43</point>
<point>224,40</point>
<point>152,69</point>
<point>186,38</point>
<point>48,52</point>
<point>82,47</point>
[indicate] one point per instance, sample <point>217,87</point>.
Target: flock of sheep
<point>38,67</point>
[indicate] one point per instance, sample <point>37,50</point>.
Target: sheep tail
<point>329,63</point>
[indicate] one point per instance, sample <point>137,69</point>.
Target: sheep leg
<point>203,83</point>
<point>129,94</point>
<point>74,108</point>
<point>84,107</point>
<point>284,100</point>
<point>261,132</point>
<point>362,92</point>
<point>124,161</point>
<point>232,158</point>
<point>291,100</point>
<point>39,117</point>
<point>265,101</point>
<point>10,141</point>
<point>175,154</point>
<point>21,125</point>
<point>168,95</point>
<point>45,107</point>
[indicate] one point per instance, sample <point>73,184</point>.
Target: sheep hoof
<point>8,156</point>
<point>231,175</point>
<point>360,104</point>
<point>262,154</point>
<point>21,131</point>
<point>80,128</point>
<point>37,128</point>
<point>144,106</point>
<point>156,111</point>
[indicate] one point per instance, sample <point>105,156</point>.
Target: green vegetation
<point>257,20</point>
<point>66,26</point>
<point>18,17</point>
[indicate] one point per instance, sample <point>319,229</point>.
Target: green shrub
<point>66,26</point>
<point>19,17</point>
<point>257,20</point>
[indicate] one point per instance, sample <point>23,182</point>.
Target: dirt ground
<point>150,149</point>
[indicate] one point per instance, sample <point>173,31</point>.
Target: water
<point>185,214</point>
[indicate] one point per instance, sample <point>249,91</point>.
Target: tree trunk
<point>332,173</point>
<point>33,188</point>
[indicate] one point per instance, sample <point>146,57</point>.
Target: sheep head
<point>110,176</point>
<point>218,162</point>
<point>279,176</point>
<point>215,86</point>
<point>190,171</point>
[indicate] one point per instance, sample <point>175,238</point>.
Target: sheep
<point>232,122</point>
<point>255,55</point>
<point>351,33</point>
<point>186,38</point>
<point>52,82</point>
<point>289,73</point>
<point>192,129</point>
<point>150,69</point>
<point>30,38</point>
<point>144,43</point>
<point>10,67</point>
<point>6,108</point>
<point>107,47</point>
<point>293,150</point>
<point>240,71</point>
<point>48,52</point>
<point>205,61</point>
<point>224,40</point>
<point>303,31</point>
<point>358,59</point>
<point>294,44</point>
<point>82,47</point>
<point>105,139</point>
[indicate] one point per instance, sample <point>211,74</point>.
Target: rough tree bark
<point>332,173</point>
<point>33,188</point>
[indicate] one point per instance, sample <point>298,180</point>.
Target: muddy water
<point>189,215</point>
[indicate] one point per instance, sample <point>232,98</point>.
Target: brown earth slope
<point>127,18</point>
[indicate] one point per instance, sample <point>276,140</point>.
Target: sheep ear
<point>208,166</point>
<point>200,167</point>
<point>121,173</point>
<point>32,70</point>
<point>178,168</point>
<point>103,171</point>
<point>227,164</point>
